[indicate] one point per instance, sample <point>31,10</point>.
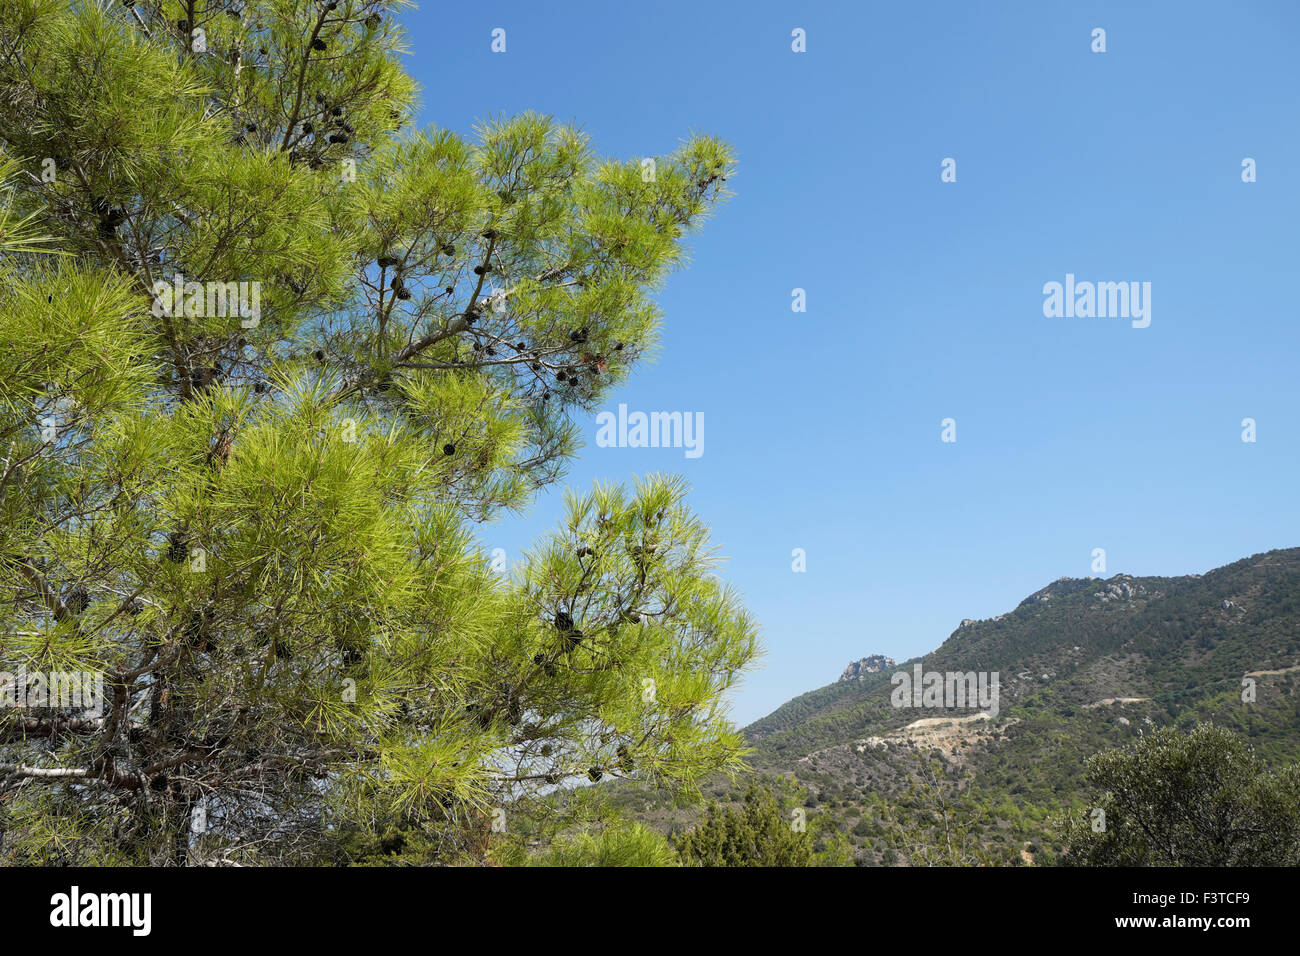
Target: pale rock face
<point>1118,592</point>
<point>859,669</point>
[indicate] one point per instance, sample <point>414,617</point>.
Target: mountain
<point>1082,665</point>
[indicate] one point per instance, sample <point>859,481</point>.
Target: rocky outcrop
<point>1119,589</point>
<point>858,670</point>
<point>1116,592</point>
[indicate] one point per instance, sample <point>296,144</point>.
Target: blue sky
<point>924,298</point>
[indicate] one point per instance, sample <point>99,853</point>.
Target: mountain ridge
<point>966,645</point>
<point>1084,664</point>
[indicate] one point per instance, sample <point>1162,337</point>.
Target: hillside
<point>1083,665</point>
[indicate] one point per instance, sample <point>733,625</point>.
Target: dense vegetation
<point>1200,799</point>
<point>765,830</point>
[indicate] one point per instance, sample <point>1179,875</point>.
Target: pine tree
<point>763,831</point>
<point>631,845</point>
<point>256,508</point>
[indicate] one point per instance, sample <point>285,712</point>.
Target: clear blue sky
<point>822,429</point>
